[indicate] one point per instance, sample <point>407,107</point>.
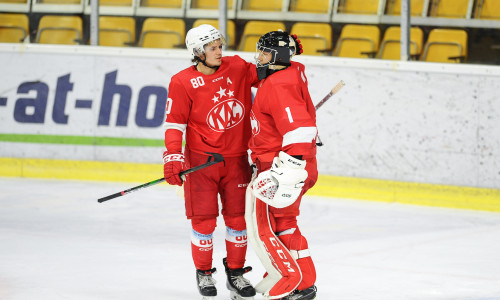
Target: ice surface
<point>57,242</point>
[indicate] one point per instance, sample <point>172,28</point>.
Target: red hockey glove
<point>173,164</point>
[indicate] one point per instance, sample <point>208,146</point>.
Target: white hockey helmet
<point>198,37</point>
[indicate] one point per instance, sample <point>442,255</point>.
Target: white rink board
<point>405,121</point>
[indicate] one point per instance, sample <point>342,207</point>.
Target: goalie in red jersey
<point>283,146</point>
<point>211,101</point>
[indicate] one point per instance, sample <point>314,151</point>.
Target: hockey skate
<point>307,294</point>
<point>206,284</point>
<point>240,288</point>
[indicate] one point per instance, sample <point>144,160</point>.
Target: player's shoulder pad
<point>182,75</point>
<point>285,77</point>
<point>234,59</point>
<point>298,66</point>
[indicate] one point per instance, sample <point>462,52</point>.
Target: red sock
<point>236,247</point>
<point>202,243</point>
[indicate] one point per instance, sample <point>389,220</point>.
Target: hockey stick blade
<point>213,159</point>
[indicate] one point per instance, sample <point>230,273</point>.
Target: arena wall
<point>395,127</point>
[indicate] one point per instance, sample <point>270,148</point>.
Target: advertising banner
<point>406,121</point>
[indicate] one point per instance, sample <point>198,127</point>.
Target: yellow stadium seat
<point>115,2</point>
<point>209,4</point>
<point>368,7</point>
<point>263,5</point>
<point>254,30</point>
<point>316,38</point>
<point>390,48</point>
<point>449,8</point>
<point>13,28</point>
<point>310,6</point>
<point>359,41</point>
<point>446,45</point>
<point>116,31</point>
<point>394,7</point>
<point>162,33</point>
<point>59,30</point>
<point>60,1</point>
<point>162,3</point>
<point>488,9</point>
<point>13,1</point>
<point>231,29</point>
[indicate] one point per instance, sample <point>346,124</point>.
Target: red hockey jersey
<point>283,116</point>
<point>213,109</point>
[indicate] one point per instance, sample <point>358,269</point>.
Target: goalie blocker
<point>282,253</point>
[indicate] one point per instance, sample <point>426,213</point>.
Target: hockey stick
<point>334,91</point>
<point>217,158</point>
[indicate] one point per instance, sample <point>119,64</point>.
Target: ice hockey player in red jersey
<point>211,102</point>
<point>283,146</point>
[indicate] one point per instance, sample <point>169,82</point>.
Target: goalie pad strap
<point>285,232</point>
<point>298,254</point>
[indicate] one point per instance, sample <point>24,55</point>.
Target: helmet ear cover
<point>282,56</point>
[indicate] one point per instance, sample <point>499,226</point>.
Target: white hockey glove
<point>281,185</point>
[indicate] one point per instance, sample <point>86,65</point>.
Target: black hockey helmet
<point>282,46</point>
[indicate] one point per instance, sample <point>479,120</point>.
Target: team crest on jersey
<point>255,124</point>
<point>225,115</point>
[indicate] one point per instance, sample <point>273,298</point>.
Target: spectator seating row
<point>14,28</point>
<point>355,40</point>
<point>442,45</point>
<point>425,12</point>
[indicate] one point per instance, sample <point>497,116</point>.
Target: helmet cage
<point>279,56</point>
<point>260,50</point>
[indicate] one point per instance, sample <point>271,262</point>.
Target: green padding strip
<point>79,140</point>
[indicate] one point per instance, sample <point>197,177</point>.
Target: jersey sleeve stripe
<point>180,127</point>
<point>299,135</point>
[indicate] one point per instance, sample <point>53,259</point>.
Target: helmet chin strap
<point>266,71</point>
<point>269,69</point>
<point>205,64</point>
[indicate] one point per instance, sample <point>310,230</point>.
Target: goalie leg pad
<point>273,275</point>
<point>297,243</point>
<point>284,274</point>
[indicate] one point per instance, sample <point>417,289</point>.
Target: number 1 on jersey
<point>289,113</point>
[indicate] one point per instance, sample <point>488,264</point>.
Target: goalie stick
<point>217,158</point>
<point>334,91</point>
